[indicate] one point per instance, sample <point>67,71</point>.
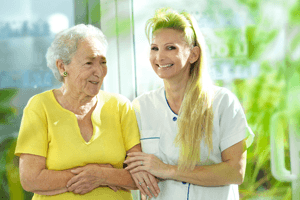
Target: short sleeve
<point>129,125</point>
<point>232,121</point>
<point>137,110</point>
<point>33,137</point>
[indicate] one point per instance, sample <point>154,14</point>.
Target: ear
<point>195,53</point>
<point>60,66</point>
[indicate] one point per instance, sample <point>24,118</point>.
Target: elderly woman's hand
<point>88,178</point>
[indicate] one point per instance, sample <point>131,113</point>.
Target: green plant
<point>266,95</point>
<point>10,186</point>
<point>261,97</point>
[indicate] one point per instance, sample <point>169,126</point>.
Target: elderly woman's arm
<point>36,178</point>
<point>90,177</point>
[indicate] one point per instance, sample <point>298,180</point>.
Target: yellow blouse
<point>49,130</point>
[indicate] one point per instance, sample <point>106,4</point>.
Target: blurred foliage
<point>261,97</point>
<point>10,186</point>
<point>294,16</point>
<point>258,39</point>
<point>7,111</point>
<point>253,5</point>
<point>265,95</point>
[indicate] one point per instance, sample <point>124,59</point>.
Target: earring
<point>65,74</point>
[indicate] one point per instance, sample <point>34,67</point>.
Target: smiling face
<point>170,54</point>
<point>87,68</point>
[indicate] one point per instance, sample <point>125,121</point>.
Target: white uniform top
<point>158,129</point>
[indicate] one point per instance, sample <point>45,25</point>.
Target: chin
<point>92,93</point>
<point>163,76</point>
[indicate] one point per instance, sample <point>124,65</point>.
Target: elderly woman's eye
<point>171,47</point>
<point>89,63</point>
<point>104,63</point>
<point>154,48</point>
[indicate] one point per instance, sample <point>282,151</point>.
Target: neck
<point>78,103</point>
<point>175,91</point>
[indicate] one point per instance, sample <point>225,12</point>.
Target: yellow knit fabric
<point>49,130</point>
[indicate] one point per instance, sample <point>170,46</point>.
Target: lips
<point>165,66</point>
<point>94,82</point>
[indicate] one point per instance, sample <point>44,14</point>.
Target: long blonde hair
<point>195,117</point>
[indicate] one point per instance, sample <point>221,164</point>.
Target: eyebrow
<point>94,57</point>
<point>165,44</point>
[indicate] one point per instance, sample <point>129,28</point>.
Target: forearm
<point>48,181</point>
<point>120,178</point>
<point>51,192</point>
<point>210,175</point>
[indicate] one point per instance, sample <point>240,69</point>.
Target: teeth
<point>169,65</point>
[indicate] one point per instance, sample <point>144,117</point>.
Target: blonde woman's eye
<point>154,48</point>
<point>104,63</point>
<point>89,63</point>
<point>171,47</point>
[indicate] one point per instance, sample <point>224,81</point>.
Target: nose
<point>100,71</point>
<point>160,55</point>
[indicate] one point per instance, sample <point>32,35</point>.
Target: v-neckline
<point>168,103</point>
<point>75,118</point>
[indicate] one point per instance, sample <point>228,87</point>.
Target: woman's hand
<point>88,178</point>
<point>146,183</point>
<point>139,161</point>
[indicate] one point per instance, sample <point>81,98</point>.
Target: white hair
<point>65,44</point>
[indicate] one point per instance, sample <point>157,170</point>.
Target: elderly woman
<point>194,135</point>
<point>73,140</point>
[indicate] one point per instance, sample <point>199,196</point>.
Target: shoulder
<point>40,99</point>
<point>112,98</point>
<point>224,96</point>
<point>226,101</point>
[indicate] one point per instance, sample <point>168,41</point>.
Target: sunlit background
<point>254,47</point>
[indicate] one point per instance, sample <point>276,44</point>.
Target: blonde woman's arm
<point>230,171</point>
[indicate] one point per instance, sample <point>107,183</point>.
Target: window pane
<point>27,28</point>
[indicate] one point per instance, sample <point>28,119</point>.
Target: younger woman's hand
<point>139,161</point>
<point>146,183</point>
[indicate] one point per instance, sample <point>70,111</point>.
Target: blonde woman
<point>194,135</point>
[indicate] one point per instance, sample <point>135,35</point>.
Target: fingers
<point>77,170</point>
<point>137,183</point>
<point>72,181</point>
<point>133,165</point>
<point>146,183</point>
<point>133,154</point>
<point>114,188</point>
<point>150,185</point>
<point>137,169</point>
<point>143,197</point>
<point>73,187</point>
<point>154,183</point>
<point>140,183</point>
<point>134,159</point>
